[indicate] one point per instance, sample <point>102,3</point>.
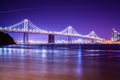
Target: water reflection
<point>43,63</point>
<point>31,62</point>
<point>101,65</point>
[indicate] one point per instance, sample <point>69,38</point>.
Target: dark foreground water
<point>42,62</point>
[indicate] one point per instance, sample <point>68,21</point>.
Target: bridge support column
<point>25,34</point>
<point>69,39</point>
<point>51,38</point>
<point>93,41</point>
<point>25,37</point>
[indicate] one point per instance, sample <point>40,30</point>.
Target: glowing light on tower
<point>69,29</point>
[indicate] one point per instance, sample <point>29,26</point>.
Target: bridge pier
<point>51,38</point>
<point>69,39</point>
<point>93,41</point>
<point>25,37</point>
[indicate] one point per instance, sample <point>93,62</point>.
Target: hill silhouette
<point>6,39</point>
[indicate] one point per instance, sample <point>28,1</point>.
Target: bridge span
<point>27,27</point>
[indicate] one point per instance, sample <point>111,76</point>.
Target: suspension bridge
<point>27,27</point>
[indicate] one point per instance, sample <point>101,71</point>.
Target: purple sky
<point>84,15</point>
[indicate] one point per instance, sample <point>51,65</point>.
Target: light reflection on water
<point>30,62</point>
<point>37,61</point>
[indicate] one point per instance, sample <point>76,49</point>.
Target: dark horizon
<point>97,15</point>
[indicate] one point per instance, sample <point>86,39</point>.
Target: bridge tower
<point>69,32</point>
<point>51,38</point>
<point>25,34</point>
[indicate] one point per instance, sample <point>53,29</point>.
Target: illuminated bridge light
<point>69,27</point>
<point>26,20</point>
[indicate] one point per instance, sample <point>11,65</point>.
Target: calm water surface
<point>36,62</point>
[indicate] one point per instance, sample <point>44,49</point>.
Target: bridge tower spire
<point>25,37</point>
<point>69,32</point>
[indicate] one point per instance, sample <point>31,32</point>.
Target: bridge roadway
<point>40,32</point>
<point>47,33</point>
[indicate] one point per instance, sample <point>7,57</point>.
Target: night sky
<point>84,15</point>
